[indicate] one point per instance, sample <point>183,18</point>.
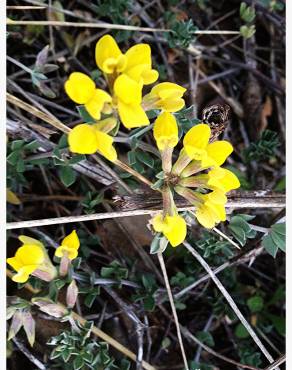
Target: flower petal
<point>107,54</point>
<point>217,153</point>
<point>71,253</point>
<point>132,115</point>
<point>177,230</point>
<point>196,141</point>
<point>30,254</point>
<point>82,139</point>
<point>79,87</point>
<point>71,240</point>
<point>95,105</point>
<point>127,90</point>
<point>105,146</point>
<point>168,89</point>
<point>165,131</point>
<point>23,274</point>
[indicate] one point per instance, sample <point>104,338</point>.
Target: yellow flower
<point>30,258</point>
<point>139,64</point>
<point>129,97</point>
<point>174,228</point>
<point>108,55</point>
<point>81,89</point>
<point>165,131</point>
<point>197,147</point>
<point>87,139</point>
<point>217,178</point>
<point>223,179</point>
<point>212,209</point>
<point>166,96</point>
<point>69,246</point>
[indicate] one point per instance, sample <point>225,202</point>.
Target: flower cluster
<point>197,176</point>
<point>32,258</point>
<point>125,74</point>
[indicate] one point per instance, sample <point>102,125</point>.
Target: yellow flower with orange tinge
<point>174,228</point>
<point>31,259</point>
<point>69,246</point>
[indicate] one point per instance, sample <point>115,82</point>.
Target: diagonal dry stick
<point>230,300</point>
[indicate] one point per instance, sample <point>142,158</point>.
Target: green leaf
<point>281,185</point>
<point>206,338</point>
<point>86,117</point>
<point>279,240</point>
<point>67,175</point>
<point>145,158</point>
<point>280,228</point>
<point>241,332</point>
<point>269,245</point>
<point>77,158</point>
<point>78,363</point>
<point>255,304</point>
<point>155,245</point>
<point>17,144</point>
<point>13,157</point>
<point>131,157</point>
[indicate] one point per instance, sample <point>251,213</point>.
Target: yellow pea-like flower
<point>128,93</point>
<point>87,139</point>
<point>69,246</point>
<point>217,153</point>
<point>166,96</point>
<point>31,258</point>
<point>174,228</point>
<point>108,55</point>
<point>196,141</point>
<point>165,131</point>
<point>223,179</point>
<point>82,90</point>
<point>212,209</point>
<point>139,64</point>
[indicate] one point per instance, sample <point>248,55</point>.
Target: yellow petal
<point>127,90</point>
<point>165,131</point>
<point>138,54</point>
<point>23,274</point>
<point>82,139</point>
<point>28,240</point>
<point>168,89</point>
<point>14,263</point>
<point>12,198</point>
<point>71,240</point>
<point>132,115</point>
<point>170,105</point>
<point>105,146</point>
<point>177,230</point>
<point>227,180</point>
<point>196,141</point>
<point>108,55</point>
<point>30,254</point>
<point>149,76</point>
<point>95,105</point>
<point>158,223</point>
<point>79,87</point>
<point>205,217</point>
<point>71,253</point>
<point>139,64</point>
<point>217,196</point>
<point>217,153</point>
